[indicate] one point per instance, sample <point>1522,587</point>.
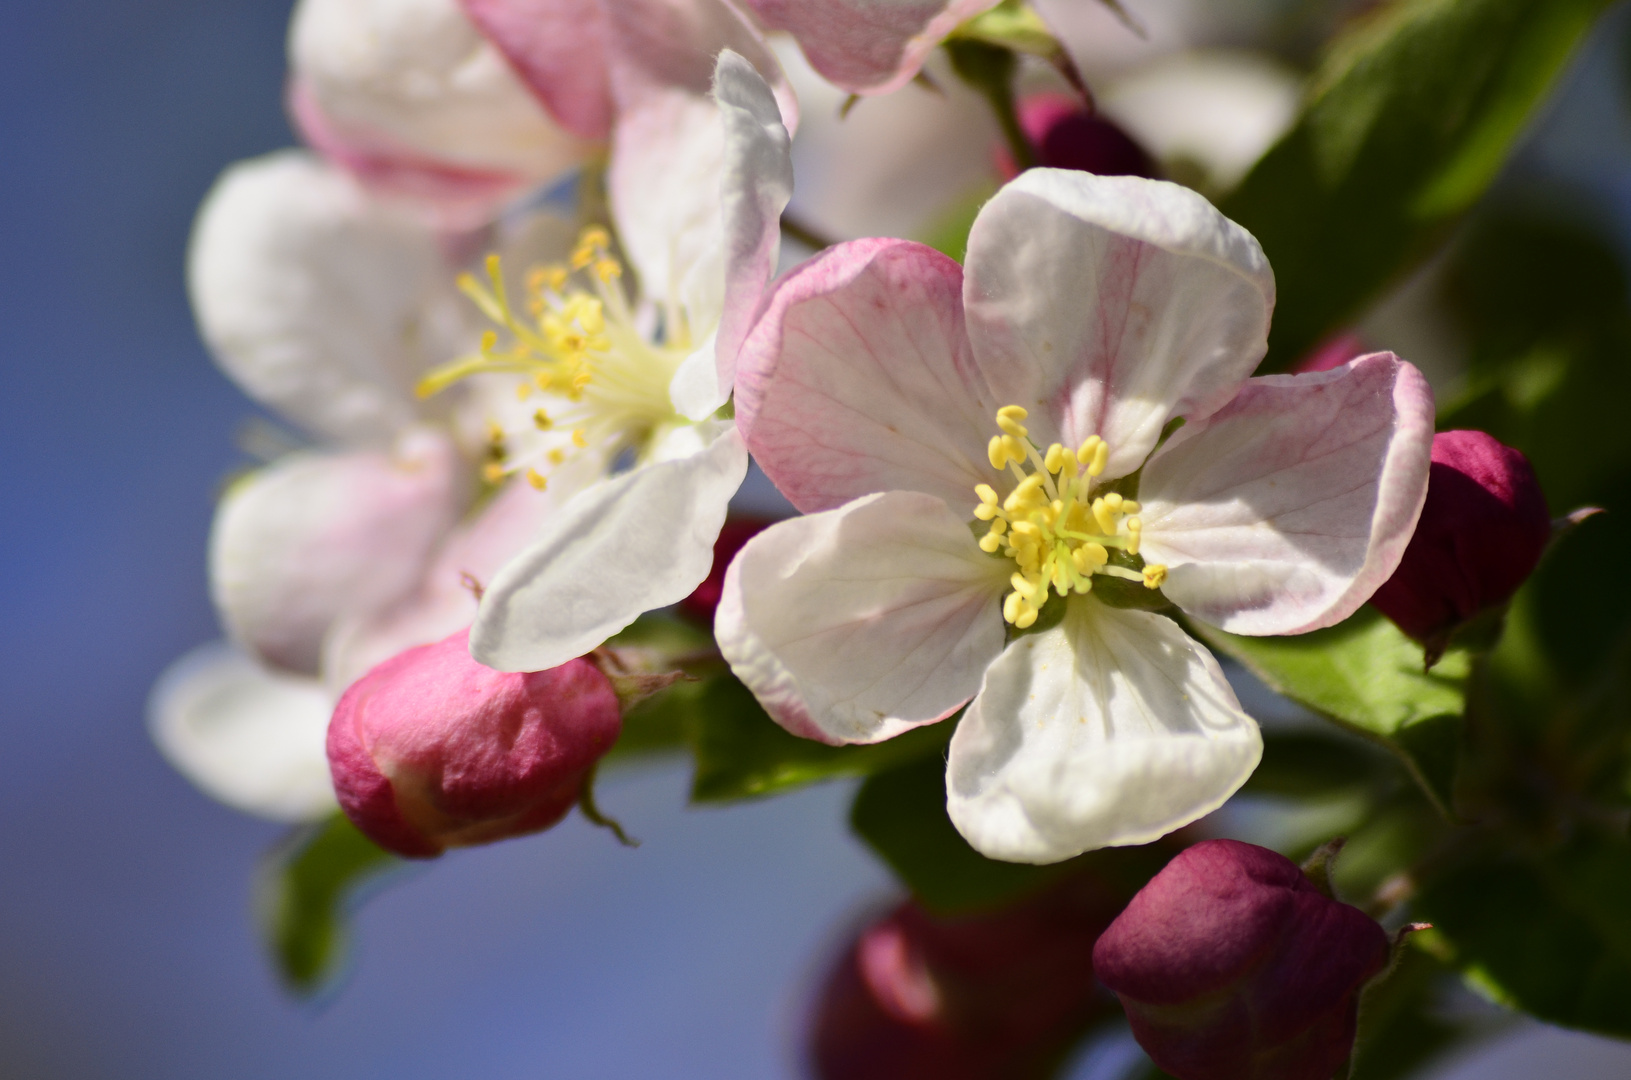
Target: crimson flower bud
<point>1067,136</point>
<point>704,599</point>
<point>1232,965</point>
<point>431,750</point>
<point>1483,528</point>
<point>989,997</point>
<point>1333,352</point>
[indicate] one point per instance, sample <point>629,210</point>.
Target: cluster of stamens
<point>1051,523</point>
<point>577,346</point>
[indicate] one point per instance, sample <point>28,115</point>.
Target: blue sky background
<point>125,944</point>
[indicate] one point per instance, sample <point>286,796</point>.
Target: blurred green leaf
<point>1366,675</point>
<point>1306,764</point>
<point>1409,119</point>
<point>303,892</point>
<point>1399,1029</point>
<point>1549,934</point>
<point>742,753</point>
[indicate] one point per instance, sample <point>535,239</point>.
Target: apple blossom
<point>635,380</point>
<point>1232,965</point>
<point>431,750</point>
<point>893,397</point>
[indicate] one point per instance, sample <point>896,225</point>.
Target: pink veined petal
<point>558,49</point>
<point>858,378</point>
<point>1112,728</point>
<point>454,197</point>
<point>317,537</point>
<point>674,45</point>
<point>857,624</point>
<point>868,46</point>
<point>1116,303</point>
<point>1285,510</point>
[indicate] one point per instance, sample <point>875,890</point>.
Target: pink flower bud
<point>988,997</point>
<point>704,599</point>
<point>1482,530</point>
<point>1333,352</point>
<point>1067,136</point>
<point>432,750</point>
<point>1232,965</point>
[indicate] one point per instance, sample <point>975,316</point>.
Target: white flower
<point>894,397</point>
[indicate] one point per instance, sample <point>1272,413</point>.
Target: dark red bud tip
<point>1231,965</point>
<point>700,605</point>
<point>1066,136</point>
<point>431,750</point>
<point>986,997</point>
<point>1482,530</point>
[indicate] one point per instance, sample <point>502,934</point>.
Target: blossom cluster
<point>524,306</point>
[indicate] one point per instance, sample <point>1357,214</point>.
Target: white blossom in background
<point>975,450</point>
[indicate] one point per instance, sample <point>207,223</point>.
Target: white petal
<point>317,537</point>
<point>248,737</point>
<point>417,76</point>
<point>1112,728</point>
<point>318,300</point>
<point>637,542</point>
<point>1285,510</point>
<point>1115,303</point>
<point>856,624</point>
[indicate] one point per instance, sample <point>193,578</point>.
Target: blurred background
<point>126,943</point>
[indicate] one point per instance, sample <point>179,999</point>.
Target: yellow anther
<point>1098,554</point>
<point>1103,517</point>
<point>1011,606</point>
<point>1154,576</point>
<point>1025,493</point>
<point>1011,412</point>
<point>608,269</point>
<point>541,420</point>
<point>1135,535</point>
<point>556,456</point>
<point>1054,459</point>
<point>997,453</point>
<point>523,391</point>
<point>1128,506</point>
<point>1012,427</point>
<point>492,472</point>
<point>990,542</point>
<point>1026,618</point>
<point>579,439</point>
<point>987,494</point>
<point>1113,501</point>
<point>537,479</point>
<point>1084,452</point>
<point>999,527</point>
<point>1101,458</point>
<point>985,511</point>
<point>1014,448</point>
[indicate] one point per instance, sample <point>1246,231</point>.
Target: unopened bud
<point>994,996</point>
<point>701,603</point>
<point>1232,965</point>
<point>1067,136</point>
<point>432,750</point>
<point>1483,528</point>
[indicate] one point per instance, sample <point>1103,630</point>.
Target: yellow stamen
<point>537,479</point>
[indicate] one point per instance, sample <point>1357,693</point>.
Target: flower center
<point>601,381</point>
<point>1052,525</point>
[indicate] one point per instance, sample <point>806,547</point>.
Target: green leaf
<point>304,890</point>
<point>1409,119</point>
<point>1549,934</point>
<point>1366,675</point>
<point>742,753</point>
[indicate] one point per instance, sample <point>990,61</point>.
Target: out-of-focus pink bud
<point>1232,965</point>
<point>1333,352</point>
<point>1067,136</point>
<point>988,997</point>
<point>1482,530</point>
<point>431,750</point>
<point>738,530</point>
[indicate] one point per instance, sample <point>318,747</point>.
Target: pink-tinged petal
<point>638,542</point>
<point>670,152</point>
<point>868,46</point>
<point>419,76</point>
<point>249,737</point>
<point>316,537</point>
<point>1292,504</point>
<point>1112,728</point>
<point>451,197</point>
<point>558,48</point>
<point>1116,303</point>
<point>859,378</point>
<point>468,559</point>
<point>317,300</point>
<point>857,624</point>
